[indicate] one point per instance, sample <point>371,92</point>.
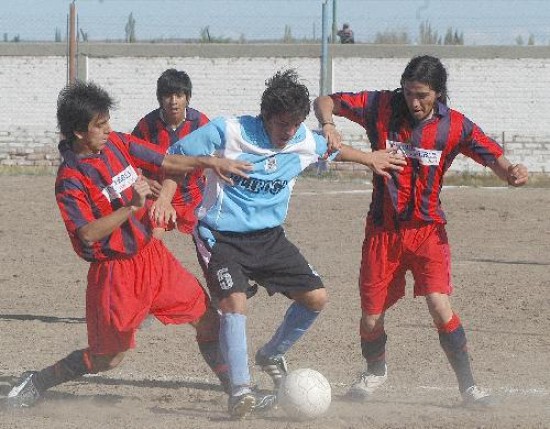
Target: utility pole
<point>323,90</point>
<point>334,21</point>
<point>71,56</point>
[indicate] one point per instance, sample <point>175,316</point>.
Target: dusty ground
<point>501,251</point>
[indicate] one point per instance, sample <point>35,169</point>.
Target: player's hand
<point>225,168</point>
<point>386,160</point>
<point>155,187</point>
<point>517,175</point>
<point>334,138</point>
<point>162,212</point>
<point>141,191</point>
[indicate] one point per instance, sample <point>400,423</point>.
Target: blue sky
<point>483,22</point>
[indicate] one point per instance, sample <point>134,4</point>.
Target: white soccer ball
<point>305,394</point>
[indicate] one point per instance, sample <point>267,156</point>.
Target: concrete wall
<point>506,90</point>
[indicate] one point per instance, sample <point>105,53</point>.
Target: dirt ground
<point>500,241</point>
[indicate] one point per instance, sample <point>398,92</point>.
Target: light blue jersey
<point>260,201</point>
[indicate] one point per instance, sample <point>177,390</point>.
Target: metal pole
<point>324,51</point>
<point>72,43</point>
<point>334,21</point>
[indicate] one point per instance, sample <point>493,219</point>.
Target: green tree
<point>453,38</point>
<point>130,29</point>
<point>428,36</point>
<point>287,38</point>
<point>57,35</point>
<point>531,41</point>
<point>519,40</point>
<point>205,35</point>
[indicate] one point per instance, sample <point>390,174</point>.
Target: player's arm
<point>223,167</point>
<point>325,108</point>
<point>380,162</point>
<point>162,210</point>
<point>103,227</point>
<point>514,174</point>
<point>199,148</point>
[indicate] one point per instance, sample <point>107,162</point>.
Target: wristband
<point>327,123</point>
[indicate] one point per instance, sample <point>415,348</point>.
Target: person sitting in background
<point>346,34</point>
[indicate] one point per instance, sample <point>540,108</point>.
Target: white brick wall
<point>221,86</point>
<point>502,95</point>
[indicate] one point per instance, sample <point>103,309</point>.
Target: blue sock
<point>296,322</point>
<point>234,348</point>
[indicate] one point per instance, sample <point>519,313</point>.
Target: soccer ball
<point>305,394</point>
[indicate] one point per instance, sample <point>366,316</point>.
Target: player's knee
<point>439,307</point>
<point>371,323</point>
<point>315,300</point>
<point>321,299</point>
<point>234,303</point>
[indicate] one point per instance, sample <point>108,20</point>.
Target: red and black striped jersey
<point>153,128</point>
<point>430,147</point>
<point>91,187</point>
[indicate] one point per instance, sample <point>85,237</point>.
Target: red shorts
<point>186,203</point>
<point>122,292</point>
<point>186,218</point>
<point>388,255</point>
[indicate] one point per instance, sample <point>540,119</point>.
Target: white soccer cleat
<point>24,394</point>
<point>473,396</point>
<point>362,389</point>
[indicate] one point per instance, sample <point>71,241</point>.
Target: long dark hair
<point>424,69</point>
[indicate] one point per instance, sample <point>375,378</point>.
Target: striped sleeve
<point>144,154</point>
<point>478,146</point>
<point>353,105</point>
<point>73,202</point>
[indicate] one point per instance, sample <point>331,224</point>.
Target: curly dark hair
<point>285,94</point>
<point>77,104</point>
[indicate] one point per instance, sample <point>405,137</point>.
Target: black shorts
<point>266,257</point>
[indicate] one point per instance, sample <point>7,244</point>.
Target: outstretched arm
<point>514,174</point>
<point>162,210</point>
<point>380,162</point>
<point>223,167</point>
<point>325,107</point>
